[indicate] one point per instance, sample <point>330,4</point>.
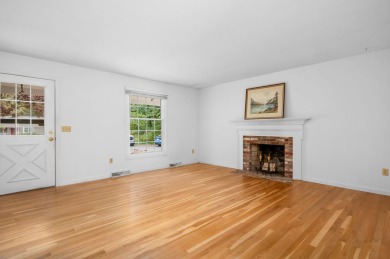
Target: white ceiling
<point>193,42</point>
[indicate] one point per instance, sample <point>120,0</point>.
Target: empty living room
<point>194,129</point>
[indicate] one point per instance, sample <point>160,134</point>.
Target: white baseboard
<point>222,165</point>
<point>348,186</point>
<point>82,180</point>
<point>105,176</point>
<point>144,170</point>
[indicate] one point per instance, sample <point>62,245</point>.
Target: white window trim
<point>164,146</point>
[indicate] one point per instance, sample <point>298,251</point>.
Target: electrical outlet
<point>193,151</point>
<point>385,171</point>
<point>111,160</point>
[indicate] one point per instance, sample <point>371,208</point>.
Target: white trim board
<point>348,186</point>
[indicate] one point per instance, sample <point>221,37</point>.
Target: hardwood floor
<point>194,211</point>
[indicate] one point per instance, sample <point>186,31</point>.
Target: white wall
<point>92,102</point>
<point>347,140</point>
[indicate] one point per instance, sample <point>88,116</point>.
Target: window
<point>22,109</point>
<point>147,123</point>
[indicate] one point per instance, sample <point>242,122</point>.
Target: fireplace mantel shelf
<point>284,121</point>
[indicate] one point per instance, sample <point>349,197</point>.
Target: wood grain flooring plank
<point>194,211</point>
<point>325,229</point>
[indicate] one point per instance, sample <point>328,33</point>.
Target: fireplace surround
<point>286,128</point>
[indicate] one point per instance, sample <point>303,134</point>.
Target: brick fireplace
<point>268,155</point>
<point>286,132</point>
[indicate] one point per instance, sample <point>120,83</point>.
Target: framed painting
<point>265,102</point>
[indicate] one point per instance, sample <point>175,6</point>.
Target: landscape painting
<point>265,102</point>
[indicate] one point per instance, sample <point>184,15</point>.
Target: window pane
<point>133,111</point>
<point>159,137</point>
<point>23,109</point>
<point>156,102</point>
<point>158,125</point>
<point>141,148</point>
<point>24,127</point>
<point>133,125</point>
<point>150,125</point>
<point>142,125</point>
<point>142,136</point>
<point>135,135</point>
<point>38,110</point>
<point>37,93</point>
<point>142,111</point>
<point>150,111</point>
<point>157,112</point>
<point>135,99</point>
<point>7,91</point>
<point>38,127</point>
<point>149,136</point>
<point>7,109</point>
<point>7,127</point>
<point>23,92</point>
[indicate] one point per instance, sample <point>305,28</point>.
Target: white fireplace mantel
<point>287,127</point>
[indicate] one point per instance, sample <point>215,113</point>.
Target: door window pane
<point>23,127</point>
<point>38,110</point>
<point>23,92</point>
<point>23,109</point>
<point>37,93</point>
<point>7,127</point>
<point>7,109</point>
<point>7,91</point>
<point>37,127</point>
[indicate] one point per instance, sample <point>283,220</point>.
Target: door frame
<point>57,177</point>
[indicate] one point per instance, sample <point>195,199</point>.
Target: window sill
<point>146,155</point>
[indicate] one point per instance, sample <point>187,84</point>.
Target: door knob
<point>51,138</point>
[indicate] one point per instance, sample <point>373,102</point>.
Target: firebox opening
<point>268,159</point>
<point>271,158</point>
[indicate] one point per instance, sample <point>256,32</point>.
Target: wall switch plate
<point>111,160</point>
<point>385,171</point>
<point>66,128</point>
<point>193,151</point>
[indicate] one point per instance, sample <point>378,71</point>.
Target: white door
<point>27,144</point>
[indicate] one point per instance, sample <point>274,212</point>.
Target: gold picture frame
<point>265,102</point>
